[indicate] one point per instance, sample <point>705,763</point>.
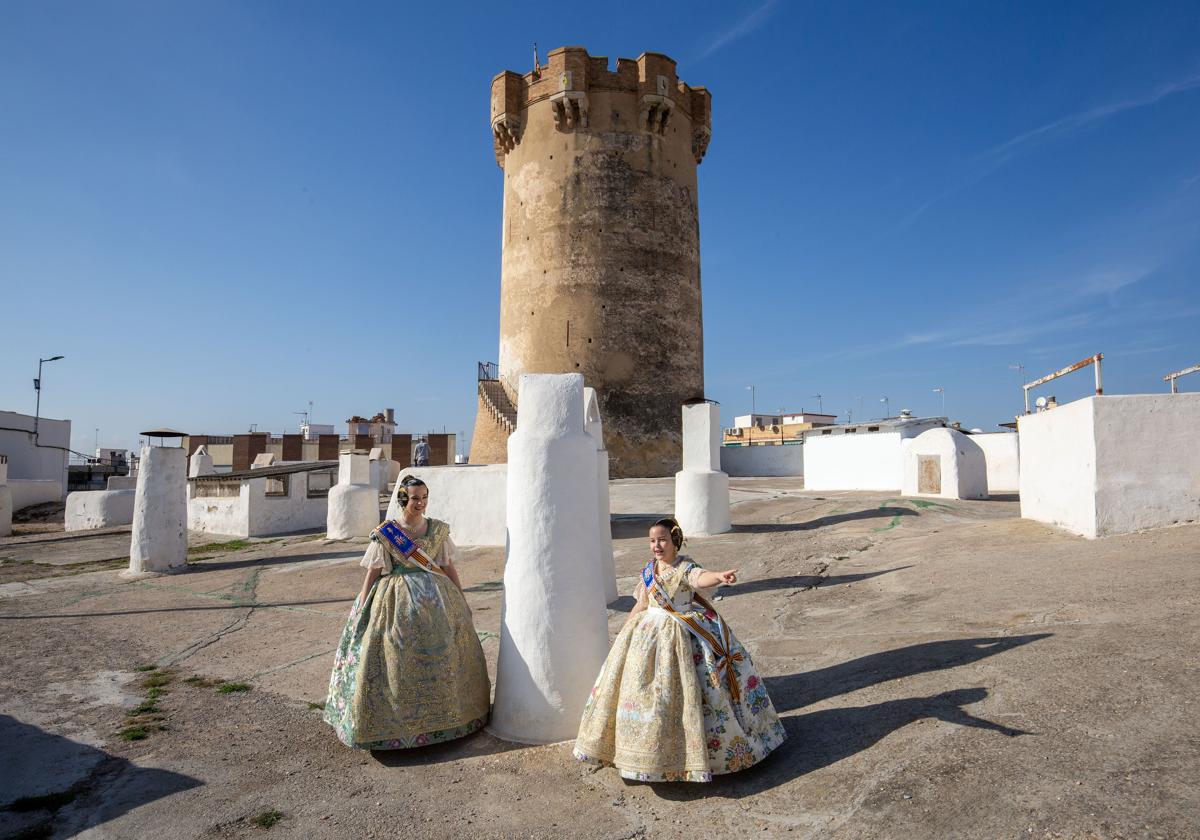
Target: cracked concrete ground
<point>943,670</point>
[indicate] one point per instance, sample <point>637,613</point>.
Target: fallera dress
<point>409,670</point>
<point>672,704</point>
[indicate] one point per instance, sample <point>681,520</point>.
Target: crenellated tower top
<point>570,75</point>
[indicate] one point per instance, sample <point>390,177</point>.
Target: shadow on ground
<point>51,785</point>
<point>232,604</point>
<point>822,521</point>
<point>822,738</point>
<point>795,691</point>
<point>280,560</point>
<point>818,739</point>
<point>799,582</point>
<point>476,745</point>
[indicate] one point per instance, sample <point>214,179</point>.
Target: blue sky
<point>220,211</point>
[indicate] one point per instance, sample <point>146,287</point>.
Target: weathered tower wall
<point>601,265</point>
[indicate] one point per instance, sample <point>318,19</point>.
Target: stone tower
<point>601,244</point>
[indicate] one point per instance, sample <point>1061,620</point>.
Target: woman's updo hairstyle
<point>673,527</point>
<point>409,482</point>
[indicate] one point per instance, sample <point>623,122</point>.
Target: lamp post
<point>886,409</point>
<point>942,391</point>
<point>37,386</point>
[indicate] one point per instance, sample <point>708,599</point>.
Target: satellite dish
<point>1040,402</point>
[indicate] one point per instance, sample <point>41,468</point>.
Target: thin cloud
<point>1075,122</point>
<point>988,161</point>
<point>743,28</point>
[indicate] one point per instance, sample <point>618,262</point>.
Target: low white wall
<point>227,515</point>
<point>1002,451</point>
<point>89,509</point>
<point>787,459</point>
<point>1058,467</point>
<point>27,492</point>
<point>862,461</point>
<point>1147,461</point>
<point>1111,465</point>
<point>469,497</point>
<point>270,515</point>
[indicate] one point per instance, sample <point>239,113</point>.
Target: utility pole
<point>37,386</point>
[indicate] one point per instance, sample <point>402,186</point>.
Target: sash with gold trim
<point>405,548</point>
<point>721,646</point>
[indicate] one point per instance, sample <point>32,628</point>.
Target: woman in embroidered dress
<point>678,698</point>
<point>409,670</point>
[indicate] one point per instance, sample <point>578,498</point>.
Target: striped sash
<point>404,548</point>
<point>721,646</point>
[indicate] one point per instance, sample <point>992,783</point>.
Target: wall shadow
<point>475,745</point>
<point>822,521</point>
<point>221,565</point>
<point>795,691</point>
<point>231,605</point>
<point>799,582</point>
<point>819,739</point>
<point>627,525</point>
<point>51,785</point>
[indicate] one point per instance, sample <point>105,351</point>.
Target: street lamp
<point>942,391</point>
<point>886,409</point>
<point>37,386</point>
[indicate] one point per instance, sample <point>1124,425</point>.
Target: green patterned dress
<point>408,670</point>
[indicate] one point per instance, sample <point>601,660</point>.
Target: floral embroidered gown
<point>409,669</point>
<point>661,709</point>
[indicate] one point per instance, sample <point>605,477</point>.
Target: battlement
<point>568,76</point>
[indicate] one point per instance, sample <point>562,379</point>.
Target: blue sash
<point>407,549</point>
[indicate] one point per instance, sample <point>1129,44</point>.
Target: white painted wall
<point>862,461</point>
<point>29,492</point>
<point>271,515</point>
<point>225,515</point>
<point>1002,452</point>
<point>763,460</point>
<point>47,462</point>
<point>469,497</point>
<point>90,509</point>
<point>962,466</point>
<point>1148,461</point>
<point>554,627</point>
<point>1058,467</point>
<point>252,513</point>
<point>1111,465</point>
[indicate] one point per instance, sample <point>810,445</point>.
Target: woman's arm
<point>640,604</point>
<point>372,576</point>
<point>452,573</point>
